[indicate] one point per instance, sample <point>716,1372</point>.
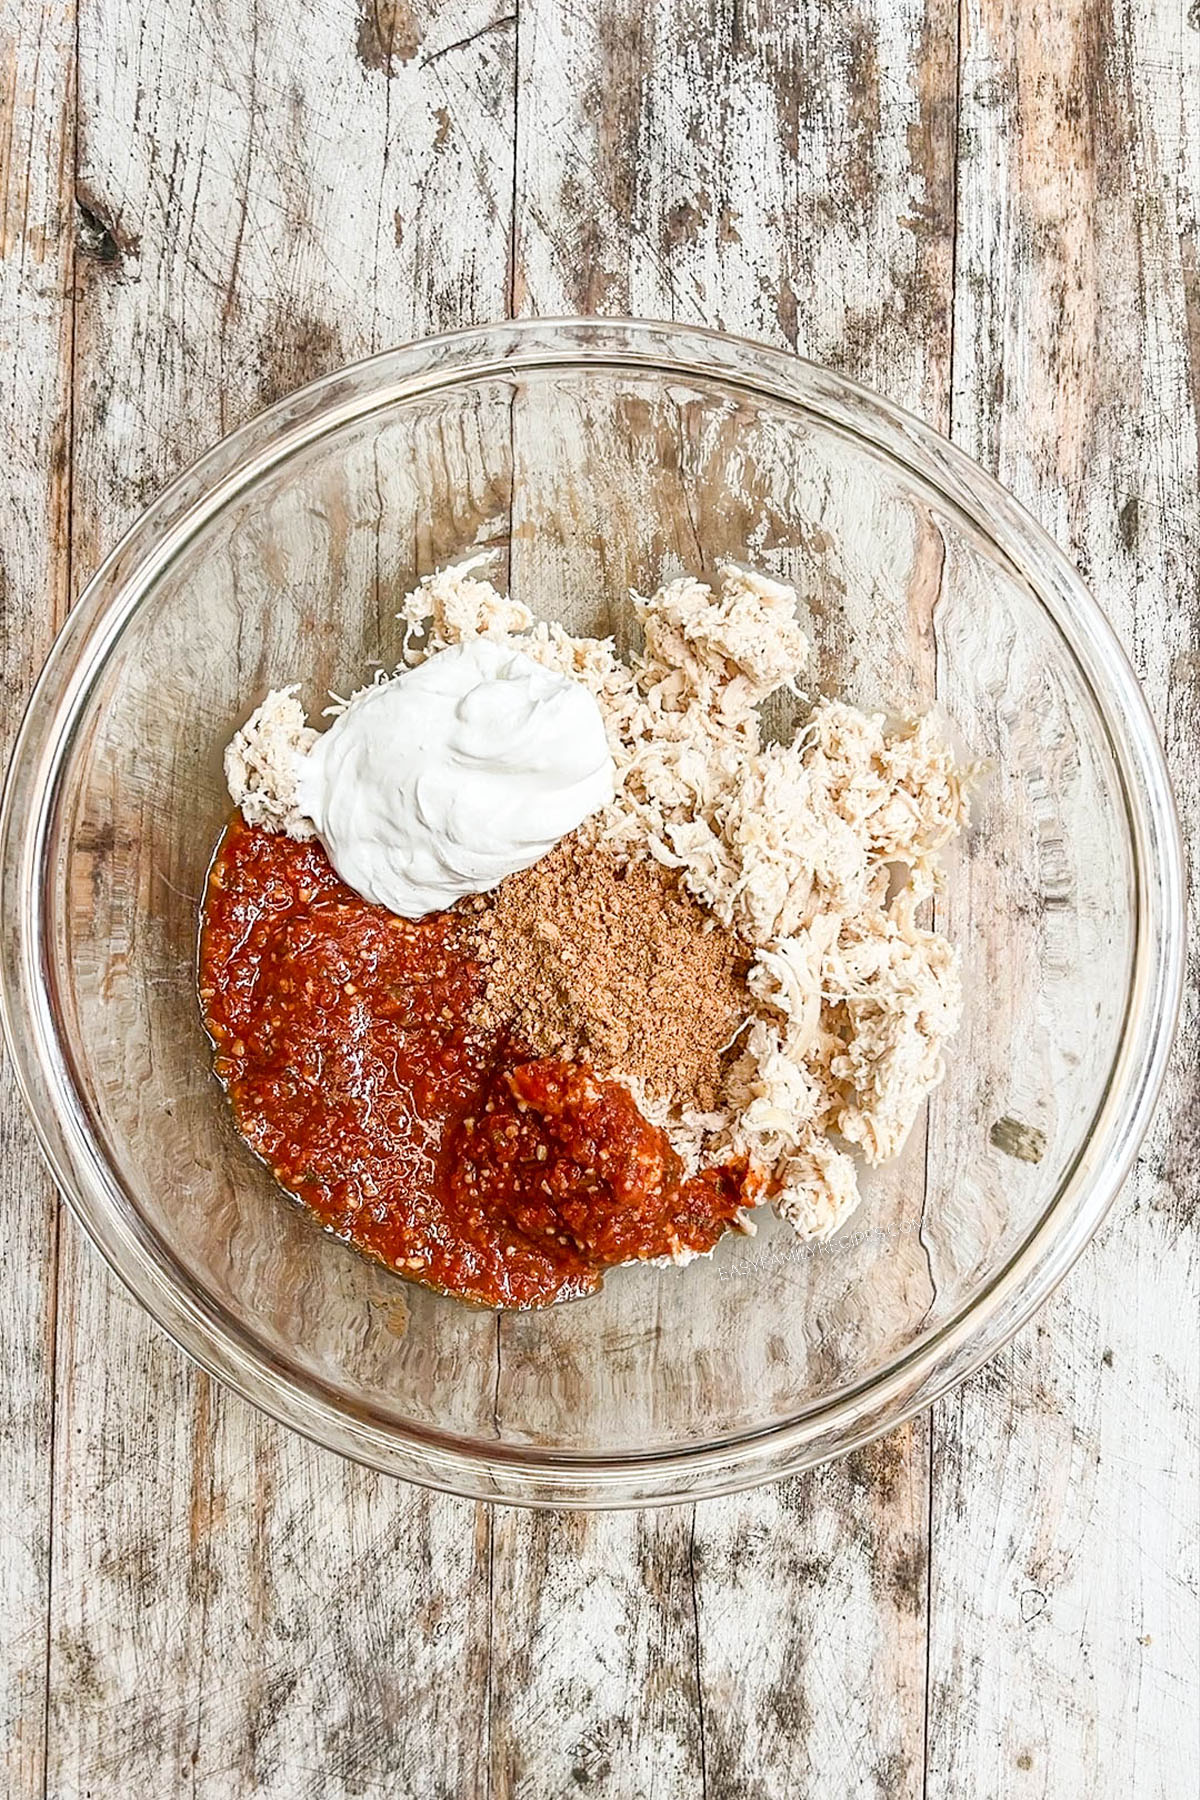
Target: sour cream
<point>444,780</point>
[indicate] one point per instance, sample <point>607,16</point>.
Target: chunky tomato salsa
<point>344,1038</point>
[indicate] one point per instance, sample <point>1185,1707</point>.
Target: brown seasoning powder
<point>614,964</point>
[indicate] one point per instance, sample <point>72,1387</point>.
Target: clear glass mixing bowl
<point>591,457</point>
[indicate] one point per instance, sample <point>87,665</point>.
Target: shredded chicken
<point>817,853</point>
<point>261,764</point>
<point>450,605</point>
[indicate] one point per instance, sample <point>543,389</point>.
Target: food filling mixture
<point>535,962</point>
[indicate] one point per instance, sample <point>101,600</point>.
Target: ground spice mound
<point>613,964</point>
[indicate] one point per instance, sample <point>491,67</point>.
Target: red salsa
<point>343,1036</point>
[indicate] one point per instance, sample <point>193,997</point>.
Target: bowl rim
<point>94,1189</point>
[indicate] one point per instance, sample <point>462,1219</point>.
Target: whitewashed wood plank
<point>271,193</point>
<point>36,146</point>
<point>594,1657</point>
<point>786,172</point>
<point>811,1622</point>
<point>1065,1625</point>
<point>248,1615</point>
<point>301,353</point>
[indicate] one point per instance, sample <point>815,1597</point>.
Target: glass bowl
<point>590,457</point>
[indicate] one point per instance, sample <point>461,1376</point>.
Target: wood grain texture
<point>36,152</point>
<point>1064,1626</point>
<point>265,194</point>
<point>593,1683</point>
<point>991,217</point>
<point>787,173</point>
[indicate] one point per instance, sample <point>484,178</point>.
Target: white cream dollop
<point>449,777</point>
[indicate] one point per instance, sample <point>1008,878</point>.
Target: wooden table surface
<point>986,210</point>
